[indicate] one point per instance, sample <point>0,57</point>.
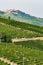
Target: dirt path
<point>26,39</point>
<point>5,60</point>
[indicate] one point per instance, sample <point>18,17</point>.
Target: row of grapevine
<point>23,25</point>
<point>18,51</point>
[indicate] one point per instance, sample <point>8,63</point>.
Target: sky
<point>32,7</point>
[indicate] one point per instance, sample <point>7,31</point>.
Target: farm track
<point>5,60</point>
<point>26,39</point>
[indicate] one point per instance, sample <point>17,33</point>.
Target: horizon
<point>31,7</point>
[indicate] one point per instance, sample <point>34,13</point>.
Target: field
<point>14,32</point>
<point>19,30</point>
<point>31,51</point>
<point>30,27</point>
<point>22,53</point>
<point>2,63</point>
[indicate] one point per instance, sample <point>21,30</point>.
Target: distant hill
<point>22,17</point>
<point>2,13</point>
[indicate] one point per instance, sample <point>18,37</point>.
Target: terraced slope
<point>30,51</point>
<point>13,32</point>
<point>22,25</point>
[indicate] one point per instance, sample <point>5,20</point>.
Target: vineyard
<point>16,32</point>
<point>2,63</point>
<point>22,53</point>
<point>26,26</point>
<point>31,51</point>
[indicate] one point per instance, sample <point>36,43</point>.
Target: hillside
<point>22,25</point>
<point>16,32</point>
<point>22,17</point>
<point>15,29</point>
<point>27,52</point>
<point>30,51</point>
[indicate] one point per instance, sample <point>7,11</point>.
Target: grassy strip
<point>29,50</point>
<point>23,25</point>
<point>13,32</point>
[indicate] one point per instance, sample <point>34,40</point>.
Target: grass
<point>14,32</point>
<point>26,26</point>
<point>2,63</point>
<point>31,50</point>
